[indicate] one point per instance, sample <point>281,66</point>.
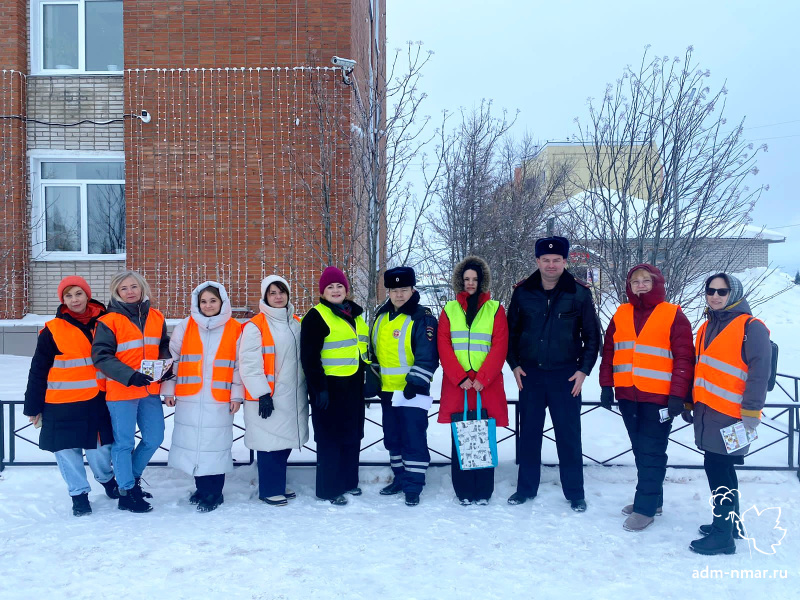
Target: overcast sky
<point>546,59</point>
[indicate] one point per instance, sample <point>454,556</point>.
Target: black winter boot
<point>133,501</point>
<point>111,488</point>
<point>412,499</point>
<point>80,505</point>
<point>138,484</point>
<point>210,502</point>
<point>195,497</point>
<point>738,525</point>
<point>393,488</point>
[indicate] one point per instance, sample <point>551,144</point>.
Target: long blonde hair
<point>122,276</point>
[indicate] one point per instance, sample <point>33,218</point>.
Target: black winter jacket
<point>343,420</point>
<point>72,424</point>
<point>104,347</point>
<point>556,331</point>
<point>423,340</point>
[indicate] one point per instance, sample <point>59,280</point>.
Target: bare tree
<point>664,178</point>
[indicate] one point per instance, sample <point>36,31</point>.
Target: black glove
<point>607,397</point>
<point>674,406</point>
<point>409,392</point>
<point>686,415</point>
<point>265,406</point>
<point>322,400</point>
<point>139,379</point>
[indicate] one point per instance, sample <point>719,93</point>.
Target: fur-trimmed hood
<point>458,274</point>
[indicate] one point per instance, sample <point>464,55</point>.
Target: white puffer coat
<point>202,434</point>
<point>287,426</point>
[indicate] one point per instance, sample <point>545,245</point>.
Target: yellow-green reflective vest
<point>471,344</point>
<point>391,340</point>
<point>342,346</point>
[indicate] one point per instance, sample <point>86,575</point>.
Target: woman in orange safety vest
<point>131,331</point>
<point>65,397</point>
<point>206,393</point>
<point>733,361</point>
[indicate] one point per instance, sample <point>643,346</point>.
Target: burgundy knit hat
<point>69,282</point>
<point>332,275</point>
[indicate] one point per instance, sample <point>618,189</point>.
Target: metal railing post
<point>11,434</point>
<point>2,437</point>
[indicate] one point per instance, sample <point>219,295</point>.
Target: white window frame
<point>37,40</point>
<point>39,227</point>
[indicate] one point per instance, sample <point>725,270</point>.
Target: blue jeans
<point>272,472</point>
<point>70,463</point>
<point>129,464</point>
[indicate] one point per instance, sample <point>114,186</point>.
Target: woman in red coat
<point>473,366</point>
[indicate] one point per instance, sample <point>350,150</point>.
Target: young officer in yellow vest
<point>404,345</point>
<point>730,385</point>
<point>66,396</point>
<point>206,393</point>
<point>334,342</point>
<point>131,331</point>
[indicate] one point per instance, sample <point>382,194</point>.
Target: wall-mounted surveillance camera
<point>345,63</point>
<point>145,116</point>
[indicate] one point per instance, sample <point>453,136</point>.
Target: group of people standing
<point>87,390</point>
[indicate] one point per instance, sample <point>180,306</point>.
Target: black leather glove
<point>674,406</point>
<point>607,397</point>
<point>265,406</point>
<point>139,379</point>
<point>686,415</point>
<point>409,392</point>
<point>322,400</point>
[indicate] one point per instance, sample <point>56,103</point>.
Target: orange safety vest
<point>720,374</point>
<point>72,378</point>
<point>644,360</point>
<point>267,351</point>
<point>133,346</point>
<point>190,362</point>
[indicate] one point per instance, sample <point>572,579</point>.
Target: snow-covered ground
<point>376,547</point>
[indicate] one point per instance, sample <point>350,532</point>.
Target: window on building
<point>76,36</point>
<point>79,209</point>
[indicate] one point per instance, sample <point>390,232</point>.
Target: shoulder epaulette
<point>520,282</point>
<point>585,284</point>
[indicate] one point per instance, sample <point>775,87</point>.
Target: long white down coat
<point>202,434</point>
<point>287,426</point>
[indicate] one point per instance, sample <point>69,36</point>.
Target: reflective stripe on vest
<point>391,340</point>
<point>471,344</point>
<point>190,362</point>
<point>133,346</point>
<point>720,374</point>
<point>644,361</point>
<point>72,378</point>
<point>343,346</point>
<point>267,352</point>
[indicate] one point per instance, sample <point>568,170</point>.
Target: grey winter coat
<point>287,426</point>
<point>202,434</point>
<point>756,354</point>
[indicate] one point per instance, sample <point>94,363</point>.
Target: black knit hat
<point>552,245</point>
<point>399,277</point>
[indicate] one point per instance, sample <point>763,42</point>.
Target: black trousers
<point>553,390</point>
<point>649,438</point>
<point>337,467</point>
<point>477,484</point>
<point>272,472</point>
<point>210,485</point>
<point>721,473</point>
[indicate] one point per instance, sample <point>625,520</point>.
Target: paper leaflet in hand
<point>418,401</point>
<point>737,436</point>
<point>156,368</point>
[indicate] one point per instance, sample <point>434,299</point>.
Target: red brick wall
<point>225,182</point>
<point>14,240</point>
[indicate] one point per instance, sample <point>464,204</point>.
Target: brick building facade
<point>219,184</point>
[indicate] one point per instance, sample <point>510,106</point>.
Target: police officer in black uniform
<point>403,343</point>
<point>554,338</point>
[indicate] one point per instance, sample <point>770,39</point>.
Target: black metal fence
<point>789,385</point>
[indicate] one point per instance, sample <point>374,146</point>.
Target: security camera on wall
<point>345,63</point>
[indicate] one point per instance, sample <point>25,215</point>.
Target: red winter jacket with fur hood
<point>493,396</point>
<point>681,343</point>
